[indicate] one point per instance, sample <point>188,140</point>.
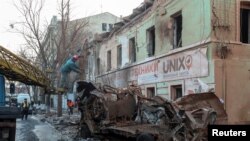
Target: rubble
<point>67,125</point>
<point>109,112</point>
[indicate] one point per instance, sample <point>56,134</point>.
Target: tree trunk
<point>48,103</point>
<point>43,99</point>
<point>59,106</point>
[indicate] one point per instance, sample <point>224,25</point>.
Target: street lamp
<point>12,25</point>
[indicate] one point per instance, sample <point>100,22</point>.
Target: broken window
<point>151,41</point>
<point>177,25</point>
<point>132,50</point>
<point>104,27</point>
<point>98,64</point>
<point>110,27</point>
<point>244,22</point>
<point>176,91</point>
<point>119,55</point>
<point>109,60</point>
<point>150,92</point>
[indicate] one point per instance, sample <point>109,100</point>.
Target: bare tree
<point>68,39</point>
<point>71,33</point>
<point>32,29</point>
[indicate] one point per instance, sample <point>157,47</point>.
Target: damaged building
<point>173,48</point>
<point>82,30</point>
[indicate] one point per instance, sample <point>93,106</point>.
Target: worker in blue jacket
<point>66,68</point>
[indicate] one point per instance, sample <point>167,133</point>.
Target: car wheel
<point>145,137</point>
<point>85,132</point>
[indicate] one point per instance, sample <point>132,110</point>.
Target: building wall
<point>95,23</point>
<point>164,29</point>
<point>225,20</point>
<point>163,22</point>
<point>232,80</point>
<point>210,41</point>
<point>95,27</point>
<point>231,59</point>
<point>192,13</point>
<point>158,72</point>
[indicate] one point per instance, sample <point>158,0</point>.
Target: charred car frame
<point>128,114</point>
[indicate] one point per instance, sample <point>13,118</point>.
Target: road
<point>33,129</point>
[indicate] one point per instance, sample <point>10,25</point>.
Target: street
<point>162,70</point>
<point>35,130</point>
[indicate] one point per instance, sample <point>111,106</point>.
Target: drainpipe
<point>223,53</point>
<point>224,82</point>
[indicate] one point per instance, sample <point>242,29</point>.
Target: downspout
<point>223,49</point>
<point>224,82</point>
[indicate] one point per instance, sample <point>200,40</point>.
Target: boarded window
<point>98,64</point>
<point>244,22</point>
<point>151,41</point>
<point>176,92</point>
<point>119,55</point>
<point>132,50</point>
<point>104,27</point>
<point>109,60</point>
<point>177,30</point>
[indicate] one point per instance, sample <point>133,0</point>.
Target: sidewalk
<point>66,125</point>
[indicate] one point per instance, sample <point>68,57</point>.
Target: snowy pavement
<point>47,128</point>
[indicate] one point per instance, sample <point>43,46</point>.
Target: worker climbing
<point>66,68</point>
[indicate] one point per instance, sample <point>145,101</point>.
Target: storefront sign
<point>178,66</point>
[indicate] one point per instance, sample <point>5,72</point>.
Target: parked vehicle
<point>8,115</point>
<point>21,97</point>
<point>20,100</point>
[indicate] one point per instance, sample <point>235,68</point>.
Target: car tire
<point>85,132</point>
<point>145,137</point>
<point>12,134</point>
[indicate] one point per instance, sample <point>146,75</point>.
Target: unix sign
<point>177,64</point>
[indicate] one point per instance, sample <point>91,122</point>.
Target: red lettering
<point>143,69</point>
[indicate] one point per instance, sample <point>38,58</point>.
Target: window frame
<point>150,33</point>
<point>173,89</point>
<point>132,50</point>
<point>98,66</point>
<point>119,55</point>
<point>104,26</point>
<point>178,28</point>
<point>244,33</point>
<point>109,60</point>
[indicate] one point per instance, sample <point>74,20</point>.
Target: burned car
<point>127,114</point>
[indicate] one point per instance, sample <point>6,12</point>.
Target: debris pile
<point>126,112</point>
<point>67,126</point>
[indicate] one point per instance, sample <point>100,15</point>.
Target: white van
<point>21,97</point>
<point>20,100</point>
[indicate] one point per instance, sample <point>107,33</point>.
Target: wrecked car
<point>127,114</point>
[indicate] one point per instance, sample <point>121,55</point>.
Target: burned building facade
<point>174,48</point>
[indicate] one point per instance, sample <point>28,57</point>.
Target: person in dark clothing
<point>78,100</point>
<point>66,68</point>
<point>25,109</point>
